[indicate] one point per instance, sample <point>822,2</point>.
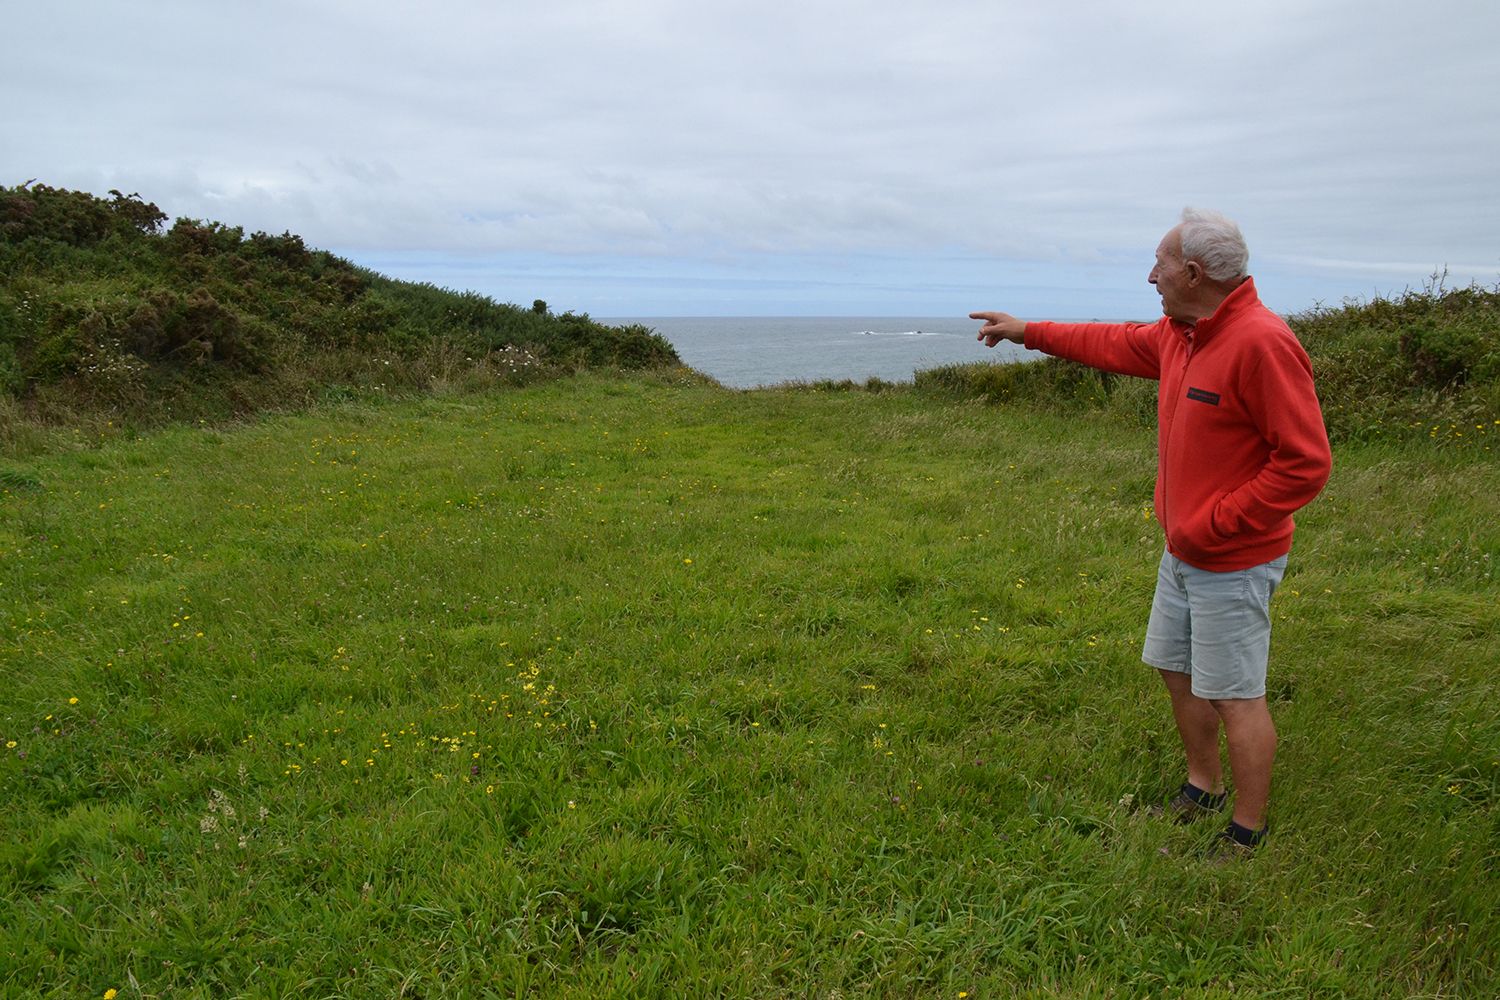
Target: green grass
<point>634,686</point>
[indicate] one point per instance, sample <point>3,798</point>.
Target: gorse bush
<point>74,218</point>
<point>105,310</point>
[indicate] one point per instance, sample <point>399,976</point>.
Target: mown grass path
<point>633,687</point>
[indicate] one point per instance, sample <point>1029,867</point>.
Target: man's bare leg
<point>1198,726</point>
<point>1251,737</point>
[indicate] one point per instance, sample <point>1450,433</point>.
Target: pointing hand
<point>1000,326</point>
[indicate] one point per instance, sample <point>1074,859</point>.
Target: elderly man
<point>1240,446</point>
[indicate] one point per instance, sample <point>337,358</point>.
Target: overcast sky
<point>835,157</point>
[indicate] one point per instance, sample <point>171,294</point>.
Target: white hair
<point>1214,241</point>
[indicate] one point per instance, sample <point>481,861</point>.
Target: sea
<point>750,352</point>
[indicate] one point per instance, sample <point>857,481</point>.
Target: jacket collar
<point>1236,303</point>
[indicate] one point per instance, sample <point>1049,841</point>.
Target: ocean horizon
<point>745,352</point>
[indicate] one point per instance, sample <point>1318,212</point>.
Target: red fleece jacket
<point>1241,442</point>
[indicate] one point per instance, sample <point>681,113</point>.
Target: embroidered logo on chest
<point>1203,396</point>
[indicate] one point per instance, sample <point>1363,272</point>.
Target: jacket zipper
<point>1171,430</point>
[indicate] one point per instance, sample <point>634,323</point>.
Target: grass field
<point>634,686</point>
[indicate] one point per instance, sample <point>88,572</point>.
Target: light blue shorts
<point>1214,627</point>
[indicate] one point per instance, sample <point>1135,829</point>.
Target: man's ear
<point>1194,271</point>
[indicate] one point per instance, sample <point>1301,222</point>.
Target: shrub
<point>1439,356</point>
<point>188,237</point>
<point>73,217</point>
<point>287,250</point>
<point>140,215</point>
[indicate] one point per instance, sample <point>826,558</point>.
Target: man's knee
<point>1244,714</point>
<point>1241,707</point>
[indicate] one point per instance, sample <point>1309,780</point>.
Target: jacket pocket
<point>1225,519</point>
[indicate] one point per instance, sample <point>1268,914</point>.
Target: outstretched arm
<point>1123,348</point>
<point>1000,326</point>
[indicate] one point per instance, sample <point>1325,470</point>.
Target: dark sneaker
<point>1236,842</point>
<point>1191,803</point>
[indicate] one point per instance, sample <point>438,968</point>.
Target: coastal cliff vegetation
<point>110,318</point>
<point>108,313</point>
